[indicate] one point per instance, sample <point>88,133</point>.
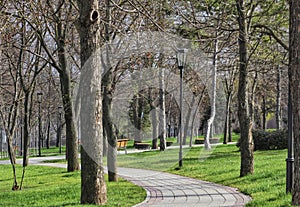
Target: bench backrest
<point>122,142</point>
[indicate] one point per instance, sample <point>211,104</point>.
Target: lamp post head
<point>39,97</point>
<point>181,58</point>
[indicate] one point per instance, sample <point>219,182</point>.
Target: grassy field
<point>221,165</point>
<point>46,186</point>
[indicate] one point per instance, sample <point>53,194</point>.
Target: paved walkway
<point>166,190</point>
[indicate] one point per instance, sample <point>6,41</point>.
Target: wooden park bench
<point>122,143</point>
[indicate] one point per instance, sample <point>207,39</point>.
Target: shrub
<point>237,130</point>
<point>269,140</point>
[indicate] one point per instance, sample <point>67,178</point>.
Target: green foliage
<point>46,186</point>
<point>269,140</point>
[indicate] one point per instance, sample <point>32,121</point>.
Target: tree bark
<point>111,135</point>
<point>278,99</point>
<point>153,118</point>
<point>1,142</point>
<point>230,125</point>
<point>245,119</point>
<point>107,86</point>
<point>26,130</point>
<point>162,111</point>
<point>187,120</point>
<point>93,187</point>
<point>214,92</point>
<point>110,131</point>
<point>294,78</point>
<point>194,118</point>
<point>137,116</point>
<point>71,135</point>
<point>65,83</point>
<point>154,128</point>
<point>264,112</point>
<point>227,116</point>
<point>48,131</point>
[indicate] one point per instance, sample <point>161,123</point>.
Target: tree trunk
<point>264,113</point>
<point>107,87</point>
<point>110,133</point>
<point>162,111</point>
<point>65,82</point>
<point>194,118</point>
<point>230,125</point>
<point>153,118</point>
<point>278,99</point>
<point>26,130</point>
<point>294,78</point>
<point>48,132</point>
<point>154,128</point>
<point>1,142</point>
<point>214,92</point>
<point>71,135</point>
<point>187,120</point>
<point>93,187</point>
<point>227,120</point>
<point>48,111</point>
<point>105,142</point>
<point>245,118</point>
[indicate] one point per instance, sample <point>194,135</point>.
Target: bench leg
<point>125,150</point>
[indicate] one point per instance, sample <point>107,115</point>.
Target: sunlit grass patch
<point>46,186</point>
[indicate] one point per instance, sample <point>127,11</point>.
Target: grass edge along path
<point>48,186</point>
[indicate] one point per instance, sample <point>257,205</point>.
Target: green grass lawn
<point>222,165</point>
<point>46,186</point>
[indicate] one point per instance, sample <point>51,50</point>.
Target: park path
<point>166,190</point>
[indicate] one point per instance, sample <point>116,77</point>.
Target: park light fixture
<point>181,58</point>
<point>181,61</point>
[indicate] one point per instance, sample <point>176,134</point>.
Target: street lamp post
<point>181,60</point>
<point>39,99</point>
<point>59,127</point>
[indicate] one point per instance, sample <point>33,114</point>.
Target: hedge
<point>269,140</point>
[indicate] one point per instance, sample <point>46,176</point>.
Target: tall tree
<point>213,95</point>
<point>278,98</point>
<point>244,115</point>
<point>93,187</point>
<point>9,93</point>
<point>228,84</point>
<point>61,21</point>
<point>57,16</point>
<point>162,112</point>
<point>8,115</point>
<point>294,78</point>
